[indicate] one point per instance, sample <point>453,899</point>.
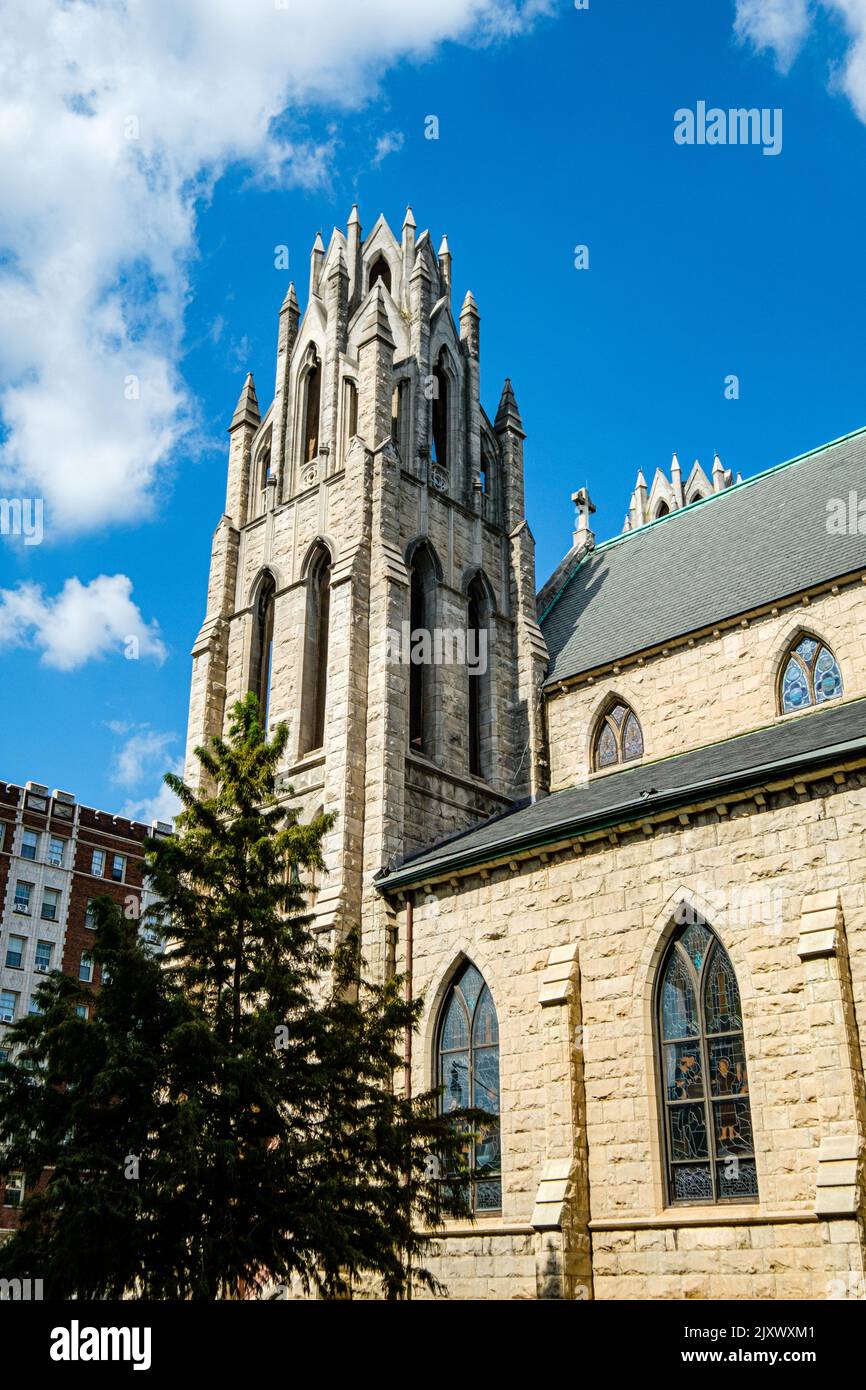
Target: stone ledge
<point>557,976</point>
<point>820,924</point>
<point>705,1216</point>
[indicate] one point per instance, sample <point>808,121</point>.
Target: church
<point>620,853</point>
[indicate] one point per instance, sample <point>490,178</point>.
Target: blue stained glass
<point>632,741</point>
<point>828,677</point>
<point>683,1071</point>
<point>485,1081</point>
<point>692,1182</point>
<point>485,1029</point>
<point>795,688</point>
<point>806,649</point>
<point>606,754</point>
<point>455,1029</point>
<point>455,1079</point>
<point>471,985</point>
<point>696,940</point>
<point>728,1073</point>
<point>679,1010</point>
<point>738,1178</point>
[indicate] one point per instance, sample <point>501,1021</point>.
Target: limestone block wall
<point>716,688</point>
<point>760,875</point>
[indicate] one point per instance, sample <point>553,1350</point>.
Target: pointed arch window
<point>380,270</point>
<point>709,1146</point>
<point>478,669</point>
<point>350,414</point>
<point>422,621</point>
<point>662,510</point>
<point>810,675</point>
<point>262,474</point>
<point>312,408</point>
<point>618,738</point>
<point>439,420</point>
<point>468,1073</point>
<point>316,637</point>
<point>263,647</point>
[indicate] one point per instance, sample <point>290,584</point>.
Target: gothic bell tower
<point>372,503</point>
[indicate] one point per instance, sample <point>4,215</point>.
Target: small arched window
<point>400,417</point>
<point>468,1067</point>
<point>710,1152</point>
<point>263,646</point>
<point>661,510</point>
<point>618,738</point>
<point>316,635</point>
<point>380,270</point>
<point>810,675</point>
<point>263,473</point>
<point>312,406</point>
<point>439,422</point>
<point>422,620</point>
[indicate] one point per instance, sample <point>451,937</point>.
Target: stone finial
<point>247,409</point>
<point>584,509</point>
<point>640,497</point>
<point>507,416</point>
<point>718,473</point>
<point>409,220</point>
<point>339,266</point>
<point>354,219</point>
<point>291,299</point>
<point>469,321</point>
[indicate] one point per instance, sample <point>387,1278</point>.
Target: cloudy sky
<point>154,154</point>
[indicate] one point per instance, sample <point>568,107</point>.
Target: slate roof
<point>819,737</point>
<point>750,545</point>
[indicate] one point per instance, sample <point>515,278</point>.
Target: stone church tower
<point>374,498</point>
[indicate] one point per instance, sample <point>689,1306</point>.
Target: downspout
<point>407,992</point>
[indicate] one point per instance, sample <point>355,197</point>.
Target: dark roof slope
<point>825,736</point>
<point>750,545</point>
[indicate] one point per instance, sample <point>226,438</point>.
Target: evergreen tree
<point>251,1075</point>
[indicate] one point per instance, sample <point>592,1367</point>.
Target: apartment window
<point>55,852</point>
<point>8,1005</point>
<point>118,868</point>
<point>82,1011</point>
<point>97,863</point>
<point>14,1190</point>
<point>34,1007</point>
<point>2,833</point>
<point>42,960</point>
<point>29,844</point>
<point>85,969</point>
<point>50,904</point>
<point>4,1056</point>
<point>22,896</point>
<point>90,914</point>
<point>15,952</point>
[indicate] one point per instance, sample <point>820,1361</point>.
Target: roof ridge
<point>625,536</point>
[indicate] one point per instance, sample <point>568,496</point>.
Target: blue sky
<point>555,130</point>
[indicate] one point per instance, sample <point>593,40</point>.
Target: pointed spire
<point>718,473</point>
<point>247,409</point>
<point>409,220</point>
<point>677,480</point>
<point>354,219</point>
<point>291,299</point>
<point>507,416</point>
<point>640,498</point>
<point>469,305</point>
<point>445,264</point>
<point>317,255</point>
<point>469,321</point>
<point>339,265</point>
<point>584,508</point>
<point>675,464</point>
<point>376,322</point>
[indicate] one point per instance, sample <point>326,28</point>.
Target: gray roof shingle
<point>750,545</point>
<point>823,736</point>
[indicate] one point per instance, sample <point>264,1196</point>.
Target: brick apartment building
<point>56,857</point>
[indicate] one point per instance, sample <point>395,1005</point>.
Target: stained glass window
<point>707,1116</point>
<point>810,676</point>
<point>469,1078</point>
<point>618,738</point>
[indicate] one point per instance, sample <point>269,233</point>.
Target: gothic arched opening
<point>316,634</point>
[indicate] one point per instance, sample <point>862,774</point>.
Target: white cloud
<point>143,750</point>
<point>83,622</point>
<point>163,805</point>
<point>389,143</point>
<point>115,121</point>
<point>782,26</point>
